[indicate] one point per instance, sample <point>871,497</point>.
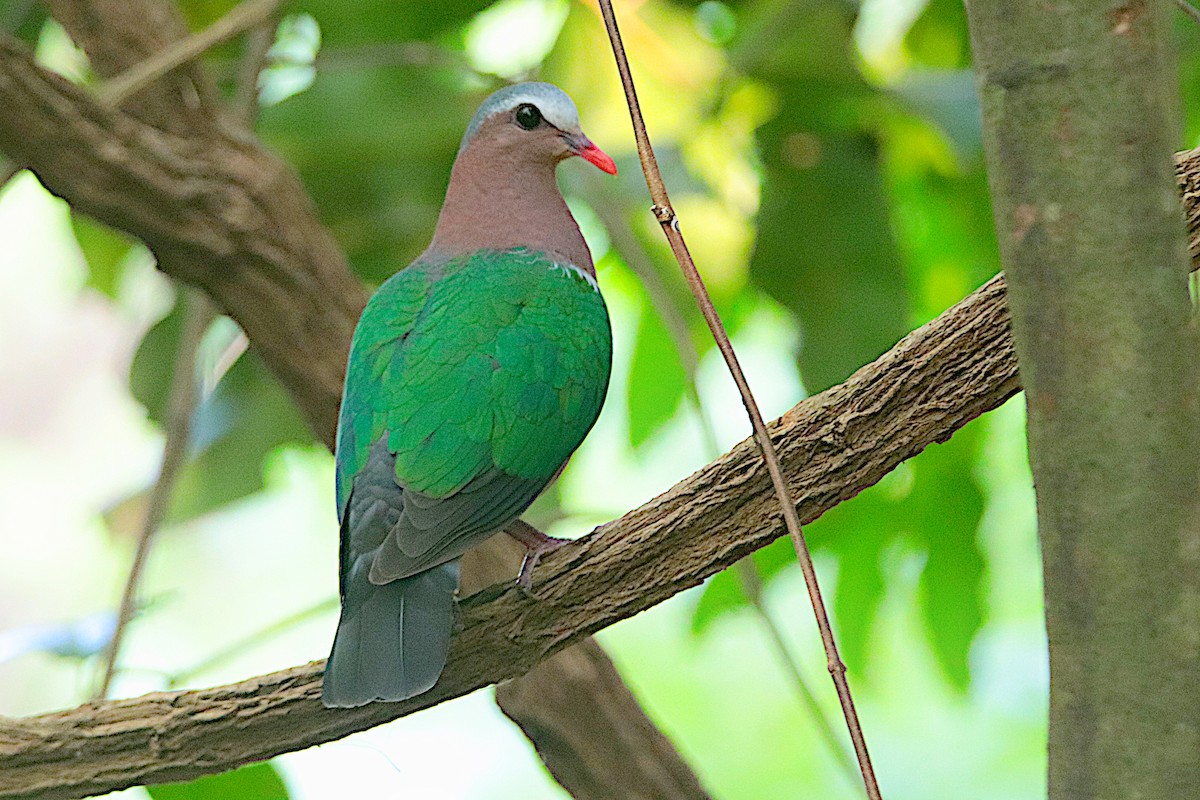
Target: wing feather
<point>470,383</point>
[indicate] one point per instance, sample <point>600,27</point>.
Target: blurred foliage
<point>252,782</point>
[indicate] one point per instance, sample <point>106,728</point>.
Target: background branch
<point>243,17</point>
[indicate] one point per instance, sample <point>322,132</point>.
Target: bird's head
<point>535,122</point>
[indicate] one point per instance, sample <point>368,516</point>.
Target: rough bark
<point>1079,122</point>
<point>223,213</point>
<point>832,446</point>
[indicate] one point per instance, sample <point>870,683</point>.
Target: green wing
<point>484,374</point>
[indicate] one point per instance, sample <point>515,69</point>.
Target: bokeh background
<point>825,159</point>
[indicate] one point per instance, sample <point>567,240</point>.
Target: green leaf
<point>24,18</point>
<point>154,364</point>
<point>721,594</point>
<point>375,21</point>
<point>372,156</point>
<point>248,417</point>
<point>858,532</point>
<point>656,378</point>
<point>824,248</point>
<point>252,782</point>
<point>104,249</point>
<point>939,37</point>
<point>945,507</point>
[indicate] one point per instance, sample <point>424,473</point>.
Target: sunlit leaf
<point>939,37</point>
<point>252,782</point>
<point>104,249</point>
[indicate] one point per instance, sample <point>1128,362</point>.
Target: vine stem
<point>667,218</point>
<point>672,311</point>
<point>181,403</point>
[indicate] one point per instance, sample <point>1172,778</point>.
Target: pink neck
<point>496,202</point>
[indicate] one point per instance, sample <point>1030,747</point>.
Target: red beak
<point>589,152</point>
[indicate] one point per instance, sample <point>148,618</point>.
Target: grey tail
<point>391,640</point>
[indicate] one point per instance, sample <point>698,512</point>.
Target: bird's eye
<point>528,116</point>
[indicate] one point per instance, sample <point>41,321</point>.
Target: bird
<point>473,375</point>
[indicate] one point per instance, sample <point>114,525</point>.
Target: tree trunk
<point>1079,123</point>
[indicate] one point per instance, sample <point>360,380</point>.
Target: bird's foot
<point>537,544</point>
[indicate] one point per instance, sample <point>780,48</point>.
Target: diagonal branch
<point>832,446</point>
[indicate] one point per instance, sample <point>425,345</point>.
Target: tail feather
<point>393,644</point>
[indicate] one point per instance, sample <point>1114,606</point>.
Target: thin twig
<point>243,17</point>
<point>258,46</point>
<point>197,314</point>
<point>670,224</point>
<point>1189,9</point>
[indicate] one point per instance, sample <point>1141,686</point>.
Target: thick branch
<point>832,446</point>
<point>1080,114</point>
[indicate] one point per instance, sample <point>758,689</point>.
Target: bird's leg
<point>536,545</point>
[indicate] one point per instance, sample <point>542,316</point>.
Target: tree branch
<point>1080,113</point>
<point>832,446</point>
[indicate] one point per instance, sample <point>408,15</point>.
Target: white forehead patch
<point>556,106</point>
